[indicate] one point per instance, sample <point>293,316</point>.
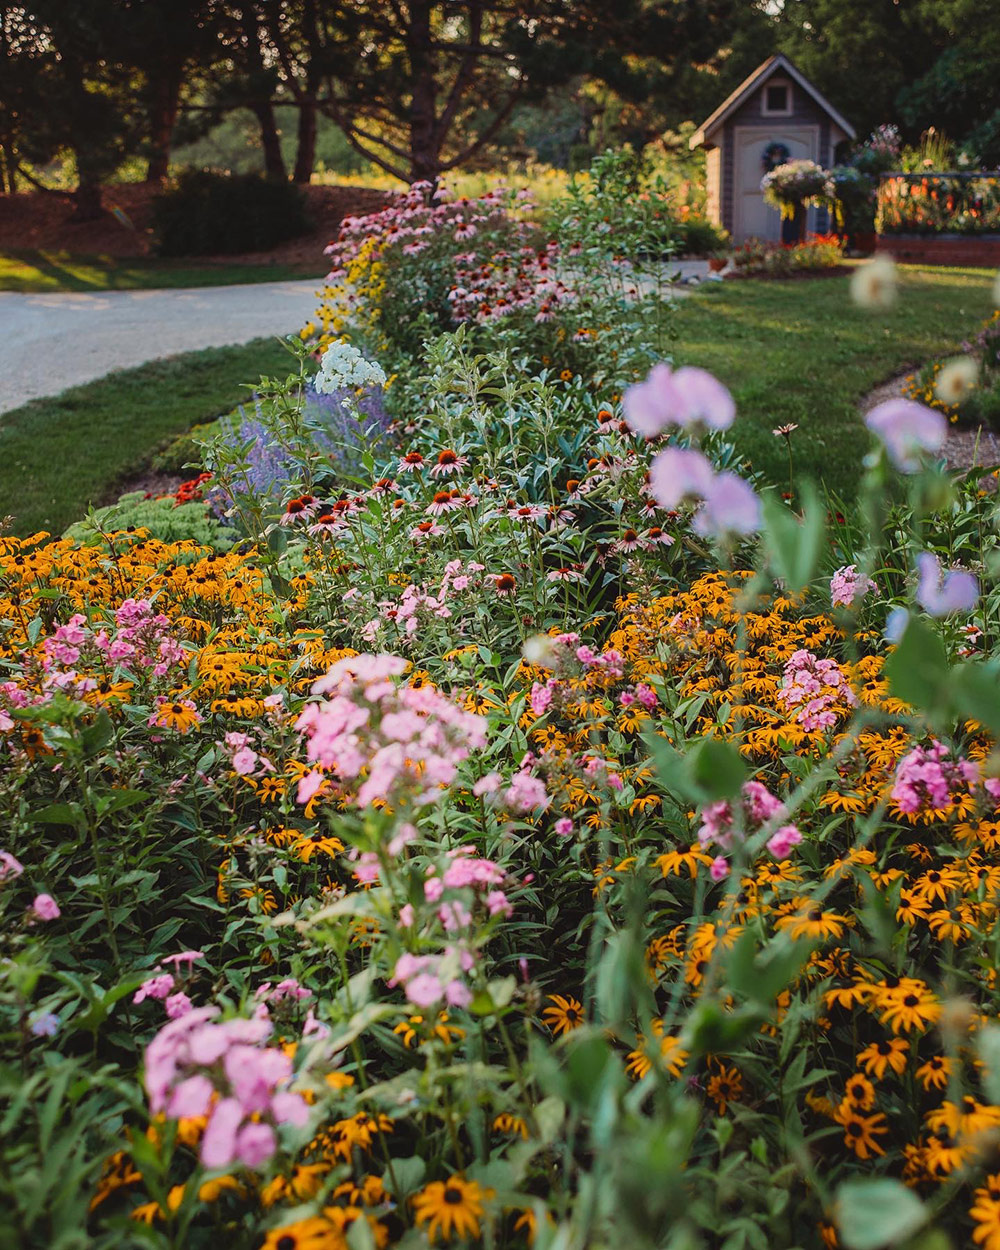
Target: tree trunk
<point>162,119</point>
<point>425,157</point>
<point>274,162</point>
<point>305,153</point>
<point>87,198</point>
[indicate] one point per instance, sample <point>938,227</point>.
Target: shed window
<point>777,99</point>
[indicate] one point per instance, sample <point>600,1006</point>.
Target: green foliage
<point>164,518</point>
<point>184,451</point>
<point>210,214</point>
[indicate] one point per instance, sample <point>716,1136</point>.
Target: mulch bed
<point>965,447</point>
<point>43,222</point>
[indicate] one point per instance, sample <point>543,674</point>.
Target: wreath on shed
<point>774,154</point>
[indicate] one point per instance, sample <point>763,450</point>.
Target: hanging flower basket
<point>793,185</point>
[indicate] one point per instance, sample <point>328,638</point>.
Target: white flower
<point>344,366</point>
<point>874,285</point>
<point>956,379</point>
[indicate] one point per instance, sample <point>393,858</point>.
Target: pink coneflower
<point>657,537</point>
<point>504,583</point>
<point>296,510</point>
<point>558,516</point>
<point>325,523</point>
<point>448,462</point>
<point>443,501</point>
<point>528,512</point>
<point>426,529</point>
<point>412,462</point>
<point>629,541</point>
<point>565,574</point>
<point>606,421</point>
<point>382,487</point>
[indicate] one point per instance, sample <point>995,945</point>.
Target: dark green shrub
<point>701,237</point>
<point>183,451</point>
<point>210,214</point>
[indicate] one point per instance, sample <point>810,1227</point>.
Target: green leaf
<point>918,669</point>
<point>871,1214</point>
<point>989,1053</point>
<point>976,690</point>
<point>713,769</point>
<point>761,973</point>
<point>57,814</point>
<point>717,769</point>
<point>404,1176</point>
<point>794,546</point>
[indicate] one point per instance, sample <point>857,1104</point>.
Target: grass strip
<point>60,455</point>
<point>33,272</point>
<point>800,352</point>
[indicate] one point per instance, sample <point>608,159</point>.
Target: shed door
<point>752,218</point>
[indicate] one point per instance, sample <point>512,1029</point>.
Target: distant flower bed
<point>783,260</point>
<point>939,203</point>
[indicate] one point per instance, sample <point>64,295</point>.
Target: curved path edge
<point>49,342</point>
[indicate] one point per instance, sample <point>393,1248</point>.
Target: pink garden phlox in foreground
<point>730,505</point>
<point>907,428</point>
<point>848,587</point>
<point>681,397</point>
<point>197,1067</point>
<point>758,807</point>
<point>928,778</point>
<point>940,593</point>
<point>408,741</point>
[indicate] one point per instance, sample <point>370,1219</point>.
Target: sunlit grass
<point>800,352</point>
<point>59,455</point>
<point>40,271</point>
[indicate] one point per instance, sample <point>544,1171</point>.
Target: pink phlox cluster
<point>10,867</point>
<point>45,908</point>
<point>406,741</point>
<point>427,980</point>
<point>417,606</point>
<point>140,640</point>
<point>244,759</point>
<point>907,429</point>
<point>927,778</point>
<point>681,397</point>
<point>848,587</point>
<point>11,697</point>
<point>161,985</point>
<point>526,794</point>
<point>198,1067</point>
<point>816,689</point>
<point>758,807</point>
<point>727,504</point>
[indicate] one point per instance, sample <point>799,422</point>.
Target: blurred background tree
<point>94,90</point>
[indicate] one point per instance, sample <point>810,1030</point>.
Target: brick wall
<point>942,249</point>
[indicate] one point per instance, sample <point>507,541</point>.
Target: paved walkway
<point>52,341</point>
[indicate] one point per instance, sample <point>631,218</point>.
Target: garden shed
<point>775,115</point>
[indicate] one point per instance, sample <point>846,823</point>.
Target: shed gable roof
<point>757,79</point>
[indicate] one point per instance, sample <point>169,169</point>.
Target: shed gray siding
<point>805,112</point>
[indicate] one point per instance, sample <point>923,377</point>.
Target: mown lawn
<point>801,352</point>
<point>59,455</point>
<point>38,271</point>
